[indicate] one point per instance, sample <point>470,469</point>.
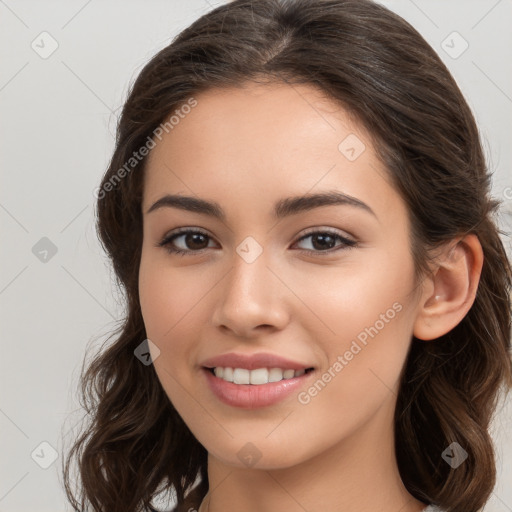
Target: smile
<point>256,377</point>
<point>250,381</point>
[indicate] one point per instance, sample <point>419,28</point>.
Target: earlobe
<point>452,289</point>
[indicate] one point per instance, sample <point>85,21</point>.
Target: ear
<point>450,291</point>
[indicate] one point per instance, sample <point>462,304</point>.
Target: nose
<point>253,300</point>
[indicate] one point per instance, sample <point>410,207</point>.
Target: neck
<point>359,474</point>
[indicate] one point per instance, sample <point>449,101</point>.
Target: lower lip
<point>251,396</point>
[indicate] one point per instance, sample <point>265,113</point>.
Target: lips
<point>254,361</point>
<point>257,380</point>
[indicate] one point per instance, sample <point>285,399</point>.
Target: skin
<point>245,148</point>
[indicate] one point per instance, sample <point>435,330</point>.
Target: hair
<point>381,70</point>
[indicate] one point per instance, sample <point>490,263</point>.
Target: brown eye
<point>325,242</point>
<point>195,240</point>
<point>188,241</point>
<point>185,241</point>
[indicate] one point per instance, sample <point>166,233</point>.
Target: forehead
<point>259,143</point>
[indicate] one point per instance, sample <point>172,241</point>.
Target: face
<point>284,324</point>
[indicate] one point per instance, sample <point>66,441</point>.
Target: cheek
<point>357,295</point>
<point>366,320</point>
<point>170,297</point>
<point>170,300</point>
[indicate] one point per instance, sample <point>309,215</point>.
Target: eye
<point>193,240</point>
<point>323,242</point>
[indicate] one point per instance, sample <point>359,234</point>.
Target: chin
<point>258,452</point>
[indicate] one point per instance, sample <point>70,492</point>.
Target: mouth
<point>251,381</point>
<point>257,376</point>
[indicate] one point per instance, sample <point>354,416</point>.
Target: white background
<point>57,133</point>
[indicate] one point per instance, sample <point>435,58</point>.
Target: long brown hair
<point>379,68</point>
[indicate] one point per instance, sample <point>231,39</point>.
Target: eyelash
<point>166,242</point>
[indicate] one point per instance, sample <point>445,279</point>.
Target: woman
<point>298,211</point>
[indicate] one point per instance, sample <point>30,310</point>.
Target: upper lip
<point>253,361</point>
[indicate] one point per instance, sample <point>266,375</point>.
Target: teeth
<point>255,377</point>
<point>275,375</point>
<point>241,376</point>
<point>259,376</point>
<point>228,374</point>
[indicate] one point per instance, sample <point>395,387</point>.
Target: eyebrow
<point>282,208</point>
